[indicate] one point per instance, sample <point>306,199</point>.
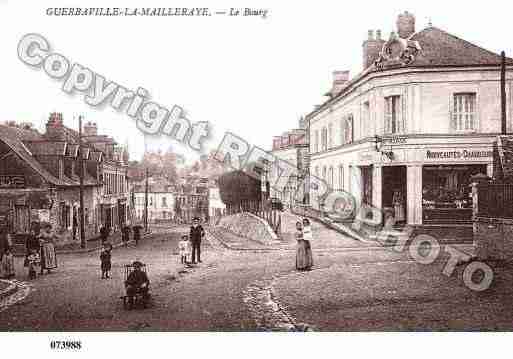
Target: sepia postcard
<point>295,178</point>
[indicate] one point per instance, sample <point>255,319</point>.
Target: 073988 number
<point>65,345</point>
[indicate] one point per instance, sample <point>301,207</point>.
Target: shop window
<point>21,219</point>
<point>463,112</point>
<point>446,192</point>
<point>394,122</point>
<point>316,141</point>
<point>164,202</point>
<point>324,170</point>
<point>330,177</point>
<point>340,177</point>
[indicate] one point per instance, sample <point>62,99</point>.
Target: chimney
<point>55,127</point>
<point>90,129</point>
<point>371,48</point>
<point>340,78</point>
<point>405,25</point>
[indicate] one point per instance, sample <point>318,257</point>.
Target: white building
<point>409,131</point>
<point>161,200</point>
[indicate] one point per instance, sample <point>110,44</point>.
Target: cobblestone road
<point>353,287</point>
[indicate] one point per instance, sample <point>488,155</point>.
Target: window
<point>330,135</point>
<point>324,173</point>
<point>346,129</point>
<point>330,177</point>
<point>317,171</point>
<point>394,122</point>
<point>365,122</point>
<point>324,139</point>
<point>341,177</point>
<point>316,140</point>
<point>164,202</point>
<point>463,112</point>
<point>151,201</point>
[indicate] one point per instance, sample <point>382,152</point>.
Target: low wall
<point>249,226</point>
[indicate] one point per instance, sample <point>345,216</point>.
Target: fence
<point>495,200</point>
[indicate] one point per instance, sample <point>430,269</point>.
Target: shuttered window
<point>463,112</point>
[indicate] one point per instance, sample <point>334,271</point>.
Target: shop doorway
<point>394,192</point>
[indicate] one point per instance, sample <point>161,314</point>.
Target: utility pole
<point>83,242</point>
<point>503,94</point>
<point>146,203</point>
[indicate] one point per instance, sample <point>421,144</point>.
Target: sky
<point>251,76</point>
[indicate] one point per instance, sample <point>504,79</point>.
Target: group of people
<point>304,235</point>
<point>40,249</point>
<point>190,245</point>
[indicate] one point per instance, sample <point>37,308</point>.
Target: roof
<point>438,48</point>
<point>13,138</point>
<point>46,148</point>
<point>72,150</point>
<point>23,142</point>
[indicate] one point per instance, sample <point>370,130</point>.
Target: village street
<point>353,286</point>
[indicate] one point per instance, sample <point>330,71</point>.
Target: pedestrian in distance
<point>32,244</point>
<point>137,233</point>
<point>7,264</point>
<point>304,260</point>
<point>196,235</point>
<point>125,235</point>
<point>106,260</point>
<point>183,248</point>
<point>48,256</point>
<point>104,234</point>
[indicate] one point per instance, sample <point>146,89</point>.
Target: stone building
<point>39,179</point>
<point>409,131</point>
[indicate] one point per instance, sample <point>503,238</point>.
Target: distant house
<point>161,199</point>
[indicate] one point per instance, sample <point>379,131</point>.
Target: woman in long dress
<point>48,257</point>
<point>304,260</point>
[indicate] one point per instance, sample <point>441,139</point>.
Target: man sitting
<point>137,283</point>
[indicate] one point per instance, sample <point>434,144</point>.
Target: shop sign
<point>12,181</point>
<point>457,154</point>
<point>395,140</point>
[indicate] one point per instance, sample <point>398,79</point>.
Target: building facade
<point>39,175</point>
<point>292,147</point>
<point>408,132</point>
<point>161,200</point>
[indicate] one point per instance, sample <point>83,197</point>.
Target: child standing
<point>183,247</point>
<point>8,264</point>
<point>32,262</point>
<point>105,258</point>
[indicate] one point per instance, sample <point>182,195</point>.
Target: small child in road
<point>183,247</point>
<point>32,262</point>
<point>105,258</point>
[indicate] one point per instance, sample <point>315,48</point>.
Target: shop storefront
<point>446,193</point>
<point>422,181</point>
